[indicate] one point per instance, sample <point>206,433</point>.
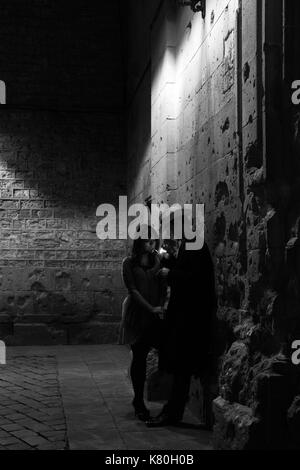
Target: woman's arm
<point>164,294</point>
<point>129,282</point>
<point>154,270</point>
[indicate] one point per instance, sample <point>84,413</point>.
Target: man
<point>187,347</point>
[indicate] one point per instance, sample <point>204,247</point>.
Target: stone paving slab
<point>31,410</point>
<point>89,398</point>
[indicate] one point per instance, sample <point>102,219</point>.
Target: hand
<point>163,272</point>
<point>163,255</point>
<point>158,311</point>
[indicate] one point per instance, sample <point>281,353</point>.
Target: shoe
<point>143,415</point>
<point>163,419</point>
<point>141,412</point>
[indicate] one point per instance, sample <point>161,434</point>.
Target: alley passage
<point>79,397</point>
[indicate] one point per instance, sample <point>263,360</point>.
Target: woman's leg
<point>138,366</point>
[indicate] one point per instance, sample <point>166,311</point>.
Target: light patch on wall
<point>2,353</point>
<point>228,61</point>
<point>2,92</point>
<point>163,73</point>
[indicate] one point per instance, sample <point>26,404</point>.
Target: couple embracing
<point>182,332</point>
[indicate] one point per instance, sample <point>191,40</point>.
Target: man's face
<point>171,246</point>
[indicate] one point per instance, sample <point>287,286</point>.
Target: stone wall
<point>257,373</point>
<point>61,155</point>
<point>213,90</point>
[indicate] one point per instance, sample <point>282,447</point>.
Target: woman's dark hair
<point>138,249</point>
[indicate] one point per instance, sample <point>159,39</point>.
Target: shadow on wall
<point>55,170</point>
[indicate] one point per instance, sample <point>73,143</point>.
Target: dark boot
<point>140,410</point>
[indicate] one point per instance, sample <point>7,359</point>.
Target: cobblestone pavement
<point>84,391</point>
<point>31,411</point>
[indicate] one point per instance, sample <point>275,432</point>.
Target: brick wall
<point>61,155</point>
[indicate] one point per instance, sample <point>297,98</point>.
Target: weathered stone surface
<point>236,427</point>
<point>234,372</point>
<point>293,419</point>
<point>265,385</point>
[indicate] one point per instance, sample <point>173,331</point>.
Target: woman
<point>142,321</point>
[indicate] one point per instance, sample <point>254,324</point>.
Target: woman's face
<point>149,246</point>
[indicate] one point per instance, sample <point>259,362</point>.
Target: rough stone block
<point>235,427</point>
<point>293,420</point>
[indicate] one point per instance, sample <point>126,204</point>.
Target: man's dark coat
<point>190,315</point>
